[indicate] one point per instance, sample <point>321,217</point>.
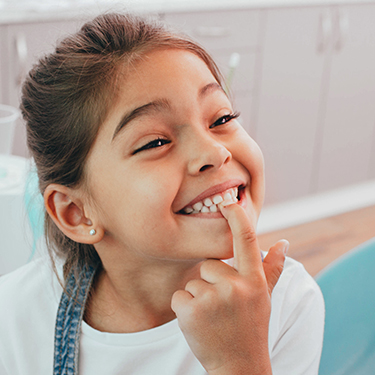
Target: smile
<point>212,204</point>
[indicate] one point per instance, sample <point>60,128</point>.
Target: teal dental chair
<point>348,287</point>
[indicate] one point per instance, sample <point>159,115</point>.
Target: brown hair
<point>67,96</point>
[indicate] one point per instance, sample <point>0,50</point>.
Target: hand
<point>225,314</point>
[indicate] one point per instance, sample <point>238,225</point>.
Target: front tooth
<point>213,208</point>
<point>227,196</point>
<point>197,206</point>
<point>217,199</point>
<point>205,209</point>
<point>207,202</point>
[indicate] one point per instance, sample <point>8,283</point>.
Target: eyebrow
<point>158,105</point>
<point>145,109</point>
<point>213,86</point>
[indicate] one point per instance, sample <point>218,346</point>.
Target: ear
<point>67,211</point>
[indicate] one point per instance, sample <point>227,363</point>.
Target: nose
<point>207,153</point>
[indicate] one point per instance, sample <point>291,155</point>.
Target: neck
<point>136,298</point>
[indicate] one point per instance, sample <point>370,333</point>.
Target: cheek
<point>156,191</point>
<point>249,155</point>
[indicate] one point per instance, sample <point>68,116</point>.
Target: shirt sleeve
<point>296,323</point>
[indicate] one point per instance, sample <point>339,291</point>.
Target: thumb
<point>273,263</point>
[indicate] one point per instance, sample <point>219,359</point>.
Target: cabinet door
<point>349,122</point>
<point>223,33</point>
<point>25,44</point>
<point>218,30</point>
<point>291,84</point>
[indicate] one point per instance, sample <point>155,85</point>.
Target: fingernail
<point>223,205</point>
<point>226,203</point>
<point>285,247</point>
<point>222,210</point>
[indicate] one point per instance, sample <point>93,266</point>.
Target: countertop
<point>48,10</point>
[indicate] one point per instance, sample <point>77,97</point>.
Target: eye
<point>153,144</point>
<point>224,119</point>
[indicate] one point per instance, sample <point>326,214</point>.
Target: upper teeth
<point>210,204</point>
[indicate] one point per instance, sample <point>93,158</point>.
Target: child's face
<point>178,142</point>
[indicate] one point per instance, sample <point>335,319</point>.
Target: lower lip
<point>218,215</point>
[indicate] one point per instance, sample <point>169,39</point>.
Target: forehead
<point>157,70</point>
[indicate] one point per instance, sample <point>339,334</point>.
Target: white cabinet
<point>223,33</point>
<point>22,45</point>
<point>290,88</point>
<point>348,122</point>
<point>316,116</point>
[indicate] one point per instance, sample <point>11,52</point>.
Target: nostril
<point>207,166</point>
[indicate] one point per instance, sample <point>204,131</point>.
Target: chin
<point>227,257</point>
<point>224,254</point>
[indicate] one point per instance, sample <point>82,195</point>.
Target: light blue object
<point>3,172</point>
<point>34,207</point>
<point>348,287</point>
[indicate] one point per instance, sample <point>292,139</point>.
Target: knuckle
<point>273,276</point>
<point>190,284</point>
<point>277,271</point>
<point>259,282</point>
<point>248,234</point>
<point>279,268</point>
<point>208,266</point>
<point>236,290</point>
<point>209,297</point>
<point>177,302</point>
<point>230,288</point>
<point>193,286</point>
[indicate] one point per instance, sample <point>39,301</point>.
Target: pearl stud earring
<point>92,232</point>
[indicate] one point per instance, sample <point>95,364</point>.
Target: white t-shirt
<point>29,300</point>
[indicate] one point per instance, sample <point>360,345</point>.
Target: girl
<point>149,182</point>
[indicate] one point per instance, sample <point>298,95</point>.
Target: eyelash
<point>225,118</point>
<point>158,142</point>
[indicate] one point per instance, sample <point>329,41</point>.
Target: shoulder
<point>29,282</point>
<point>30,292</point>
<point>29,298</point>
<point>297,321</point>
<point>30,288</point>
<point>296,295</point>
<point>295,282</point>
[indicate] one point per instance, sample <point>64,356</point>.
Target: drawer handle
<point>212,31</point>
<point>325,32</point>
<point>342,27</point>
<point>234,61</point>
<point>21,49</point>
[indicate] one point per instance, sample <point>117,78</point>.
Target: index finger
<point>247,256</point>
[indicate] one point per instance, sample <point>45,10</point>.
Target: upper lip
<point>216,189</point>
